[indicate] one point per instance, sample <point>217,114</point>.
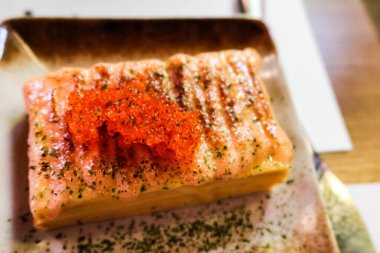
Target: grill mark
<point>256,89</point>
<point>236,86</point>
<point>198,105</point>
<point>264,112</point>
<point>187,88</point>
<point>228,99</point>
<point>203,105</point>
<point>205,121</point>
<point>143,74</point>
<point>149,75</point>
<point>262,109</point>
<point>195,83</point>
<point>176,74</point>
<point>253,91</point>
<point>157,79</point>
<point>244,129</point>
<point>207,111</point>
<point>189,98</point>
<point>227,102</point>
<point>227,92</point>
<point>246,85</point>
<point>165,84</point>
<point>222,136</point>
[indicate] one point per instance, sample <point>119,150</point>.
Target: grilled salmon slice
<point>132,137</point>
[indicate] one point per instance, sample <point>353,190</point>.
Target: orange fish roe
<point>133,115</point>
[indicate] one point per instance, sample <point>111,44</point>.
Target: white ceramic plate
<point>291,218</point>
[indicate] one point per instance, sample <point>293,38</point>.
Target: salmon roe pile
<point>133,115</point>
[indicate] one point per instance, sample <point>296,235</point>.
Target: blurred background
<point>330,53</point>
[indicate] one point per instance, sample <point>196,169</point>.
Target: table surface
<point>350,48</point>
